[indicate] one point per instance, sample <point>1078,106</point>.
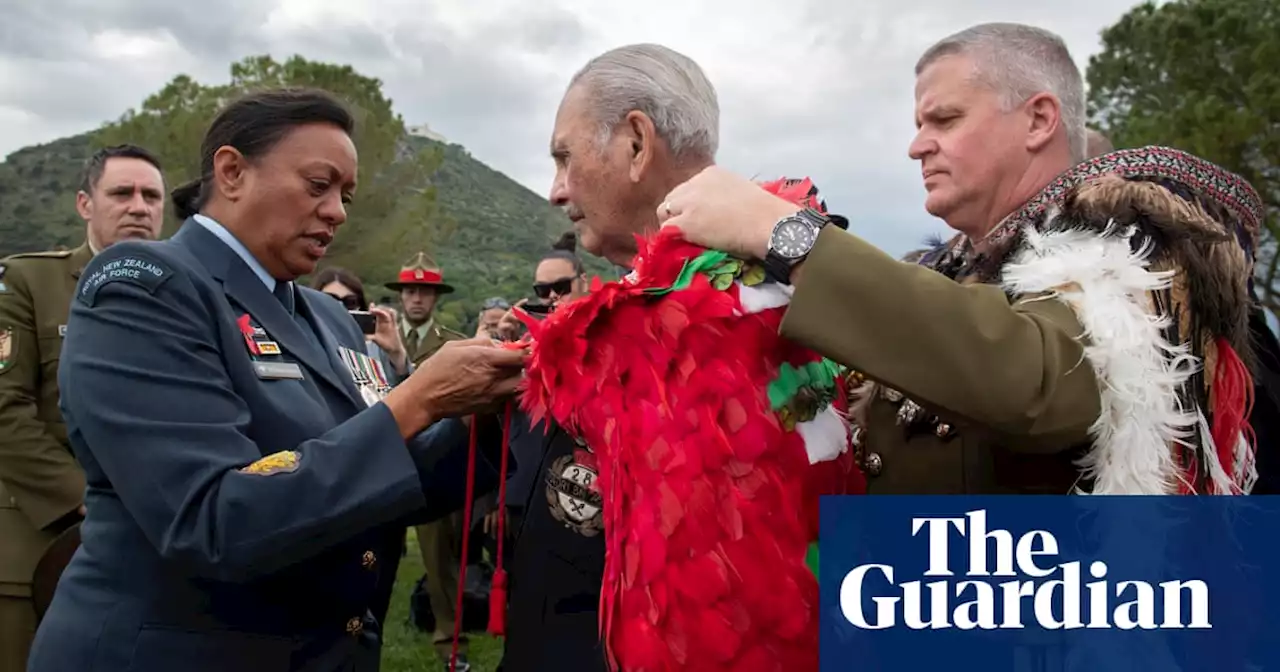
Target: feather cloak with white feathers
<point>1153,250</point>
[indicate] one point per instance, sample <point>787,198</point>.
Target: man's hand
<point>490,522</point>
<point>719,210</point>
<point>461,378</point>
<point>387,335</point>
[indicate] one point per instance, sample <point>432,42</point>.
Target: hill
<point>501,228</point>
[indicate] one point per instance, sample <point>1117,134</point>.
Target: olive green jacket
<point>436,337</point>
<point>40,482</point>
<point>1006,376</point>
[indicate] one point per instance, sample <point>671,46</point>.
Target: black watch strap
<point>778,268</point>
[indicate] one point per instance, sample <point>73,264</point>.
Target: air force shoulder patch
<point>131,266</point>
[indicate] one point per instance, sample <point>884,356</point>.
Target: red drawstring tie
<point>498,591</point>
<point>1233,389</point>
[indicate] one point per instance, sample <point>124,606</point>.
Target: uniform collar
<point>80,258</point>
<point>422,329</point>
<point>238,247</point>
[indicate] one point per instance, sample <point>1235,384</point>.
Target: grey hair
<point>1018,62</point>
<point>668,87</point>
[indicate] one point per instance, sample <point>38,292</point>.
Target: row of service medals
<point>368,375</point>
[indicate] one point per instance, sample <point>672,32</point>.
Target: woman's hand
<point>387,335</point>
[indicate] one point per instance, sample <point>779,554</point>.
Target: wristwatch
<point>791,241</point>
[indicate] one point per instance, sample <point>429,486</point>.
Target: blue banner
<point>1050,584</point>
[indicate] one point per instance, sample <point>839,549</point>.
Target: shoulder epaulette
<point>48,254</point>
<point>447,331</point>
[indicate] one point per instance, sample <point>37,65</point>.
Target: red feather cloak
<point>704,423</point>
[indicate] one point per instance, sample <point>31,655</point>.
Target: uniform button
<point>874,464</point>
<point>368,560</point>
<point>355,626</point>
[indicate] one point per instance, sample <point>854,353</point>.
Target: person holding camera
<point>420,284</point>
<point>379,323</point>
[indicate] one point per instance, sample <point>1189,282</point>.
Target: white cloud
<point>814,87</point>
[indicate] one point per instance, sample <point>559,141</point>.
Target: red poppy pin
<point>247,330</point>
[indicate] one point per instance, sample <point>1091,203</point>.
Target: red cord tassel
<point>498,604</point>
<point>498,590</point>
<point>466,541</point>
<point>1233,403</point>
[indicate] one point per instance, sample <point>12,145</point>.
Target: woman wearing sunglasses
<point>385,344</point>
<point>560,277</point>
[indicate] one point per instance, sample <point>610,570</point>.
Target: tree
<point>395,206</point>
<point>1202,76</point>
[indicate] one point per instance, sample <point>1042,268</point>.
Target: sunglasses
<point>350,301</point>
<point>490,304</point>
<point>561,287</point>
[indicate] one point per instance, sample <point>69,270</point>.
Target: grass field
<point>405,648</point>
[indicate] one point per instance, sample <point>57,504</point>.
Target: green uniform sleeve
<point>37,470</point>
<point>964,350</point>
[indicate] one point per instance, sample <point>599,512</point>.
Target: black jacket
<point>558,563</point>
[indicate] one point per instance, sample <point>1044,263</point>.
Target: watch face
<point>793,238</point>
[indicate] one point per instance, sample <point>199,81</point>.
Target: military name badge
<point>362,370</point>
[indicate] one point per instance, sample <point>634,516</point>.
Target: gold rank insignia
<point>282,462</point>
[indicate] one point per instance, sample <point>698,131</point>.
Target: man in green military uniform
<point>1029,354</point>
<point>420,284</point>
<point>121,197</point>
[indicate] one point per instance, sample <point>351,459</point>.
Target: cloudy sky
<point>807,87</point>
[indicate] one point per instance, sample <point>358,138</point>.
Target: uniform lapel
<point>331,345</point>
<point>427,345</point>
<point>247,290</point>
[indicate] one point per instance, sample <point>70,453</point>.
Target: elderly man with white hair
<point>1087,328</point>
<point>704,440</point>
<point>634,122</point>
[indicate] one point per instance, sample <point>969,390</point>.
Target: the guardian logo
<point>1050,593</point>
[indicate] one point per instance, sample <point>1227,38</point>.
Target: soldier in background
<point>420,284</point>
<point>121,197</point>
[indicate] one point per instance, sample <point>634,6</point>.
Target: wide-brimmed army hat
<point>420,271</point>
